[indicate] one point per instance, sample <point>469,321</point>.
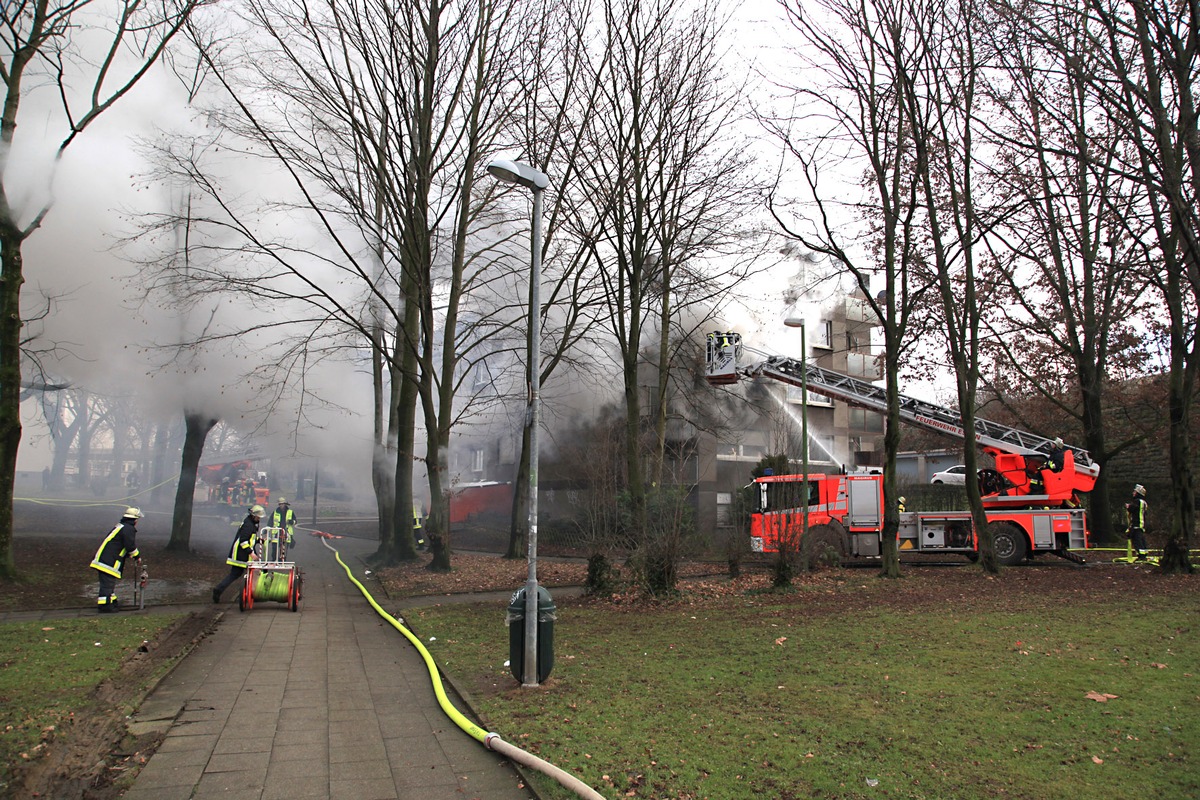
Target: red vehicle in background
<point>1031,496</point>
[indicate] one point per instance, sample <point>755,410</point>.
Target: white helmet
<point>256,511</point>
<point>132,512</point>
<point>283,501</point>
<point>1058,441</point>
<point>1139,489</point>
<point>902,501</point>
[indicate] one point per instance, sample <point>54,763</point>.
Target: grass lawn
<point>839,691</point>
<point>49,668</point>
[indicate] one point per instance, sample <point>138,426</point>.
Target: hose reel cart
<point>271,576</point>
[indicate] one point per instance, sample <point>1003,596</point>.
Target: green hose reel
<point>275,585</point>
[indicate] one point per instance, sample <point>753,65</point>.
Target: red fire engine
<point>1032,508</point>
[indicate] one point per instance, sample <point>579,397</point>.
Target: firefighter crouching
<point>110,558</point>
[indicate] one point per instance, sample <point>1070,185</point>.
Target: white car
<point>956,475</point>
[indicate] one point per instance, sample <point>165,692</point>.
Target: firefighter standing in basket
<point>284,517</point>
<point>240,552</point>
<point>110,558</point>
<point>1135,514</point>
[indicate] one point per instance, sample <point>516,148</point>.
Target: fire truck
<point>1033,506</point>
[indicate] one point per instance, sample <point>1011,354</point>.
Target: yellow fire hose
<point>490,740</point>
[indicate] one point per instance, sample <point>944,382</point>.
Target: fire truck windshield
<point>781,494</point>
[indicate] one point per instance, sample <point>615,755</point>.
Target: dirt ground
<point>54,546</point>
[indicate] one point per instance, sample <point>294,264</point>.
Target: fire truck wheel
<point>1010,544</point>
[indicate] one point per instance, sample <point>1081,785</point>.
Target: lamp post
<point>798,322</point>
<point>536,181</point>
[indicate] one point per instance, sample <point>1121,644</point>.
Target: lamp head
<point>518,173</point>
<point>794,322</point>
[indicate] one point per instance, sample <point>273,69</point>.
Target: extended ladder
<point>867,395</point>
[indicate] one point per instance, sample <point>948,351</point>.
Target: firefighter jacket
<point>1136,510</point>
<point>285,519</point>
<point>243,543</point>
<point>116,547</point>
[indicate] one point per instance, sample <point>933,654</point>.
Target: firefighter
<point>1054,461</point>
<point>110,559</point>
<point>241,552</point>
<point>284,517</point>
<point>901,504</point>
<point>418,530</point>
<point>1135,515</point>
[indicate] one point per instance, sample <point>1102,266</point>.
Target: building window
<point>863,420</point>
<point>822,334</point>
<point>477,459</point>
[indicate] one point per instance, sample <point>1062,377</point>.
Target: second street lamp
<point>536,181</point>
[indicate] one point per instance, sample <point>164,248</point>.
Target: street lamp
<point>536,181</point>
<point>798,322</point>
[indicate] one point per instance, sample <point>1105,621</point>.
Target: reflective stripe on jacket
<point>243,543</point>
<point>116,547</point>
<point>1137,513</point>
<point>285,520</point>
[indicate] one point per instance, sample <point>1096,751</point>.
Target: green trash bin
<point>547,614</point>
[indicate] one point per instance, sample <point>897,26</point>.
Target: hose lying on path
<point>492,741</point>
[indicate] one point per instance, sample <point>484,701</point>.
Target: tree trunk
<point>519,524</point>
<point>11,279</point>
<point>83,451</point>
<point>196,431</point>
<point>1180,389</point>
<point>158,468</point>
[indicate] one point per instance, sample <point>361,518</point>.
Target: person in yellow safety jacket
<point>284,517</point>
<point>241,552</point>
<point>1135,513</point>
<point>110,558</point>
<point>901,505</point>
<point>418,530</point>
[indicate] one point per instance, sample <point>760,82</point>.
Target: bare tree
<point>89,74</point>
<point>855,122</point>
<point>650,197</point>
<point>1147,57</point>
<point>938,78</point>
<point>377,118</point>
<point>1070,264</point>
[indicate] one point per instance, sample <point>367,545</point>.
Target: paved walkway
<point>329,702</point>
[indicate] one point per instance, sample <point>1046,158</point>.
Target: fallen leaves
<point>1100,697</point>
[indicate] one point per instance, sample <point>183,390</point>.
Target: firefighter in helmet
<point>241,552</point>
<point>1135,516</point>
<point>110,558</point>
<point>284,517</point>
<point>1058,453</point>
<point>901,504</point>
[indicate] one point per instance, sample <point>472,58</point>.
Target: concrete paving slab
<point>325,702</point>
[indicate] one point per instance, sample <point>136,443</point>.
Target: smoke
<point>102,332</point>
